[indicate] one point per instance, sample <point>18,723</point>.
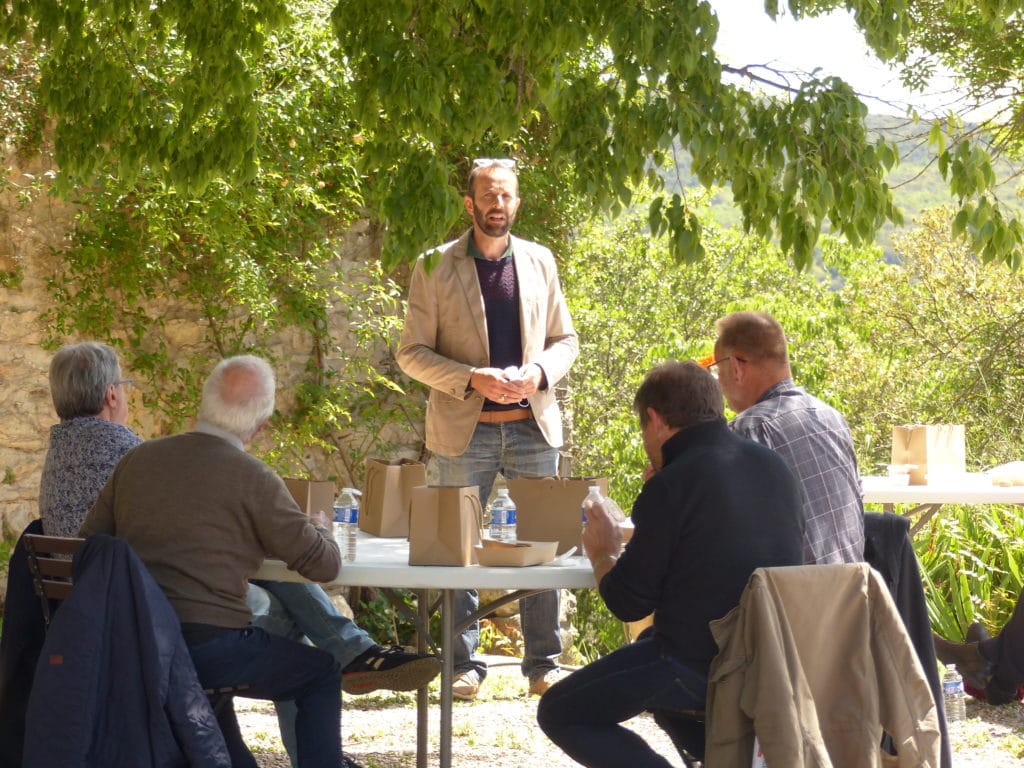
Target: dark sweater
<point>720,507</point>
<point>202,515</point>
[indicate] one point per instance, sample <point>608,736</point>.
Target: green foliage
<point>21,120</point>
<point>971,560</point>
<point>591,93</point>
<point>251,260</point>
<point>942,351</point>
<point>166,86</point>
<point>612,87</point>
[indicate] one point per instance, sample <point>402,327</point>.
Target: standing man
<point>714,507</point>
<point>202,514</point>
<point>814,439</point>
<point>488,330</point>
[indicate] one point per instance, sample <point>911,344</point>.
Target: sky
<point>832,43</point>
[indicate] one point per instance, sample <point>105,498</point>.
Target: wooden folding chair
<point>49,561</point>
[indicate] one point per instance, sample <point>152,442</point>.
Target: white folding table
<point>385,563</point>
<point>926,500</point>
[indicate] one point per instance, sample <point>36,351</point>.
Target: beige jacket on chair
<point>816,661</point>
<point>445,338</point>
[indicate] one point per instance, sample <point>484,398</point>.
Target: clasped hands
<point>509,385</point>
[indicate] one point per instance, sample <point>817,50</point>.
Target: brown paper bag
<point>312,495</point>
<point>387,495</point>
<point>937,450</point>
<point>444,525</point>
<point>548,508</point>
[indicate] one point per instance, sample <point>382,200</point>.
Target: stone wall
<point>30,234</point>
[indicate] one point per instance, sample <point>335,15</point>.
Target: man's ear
<point>655,420</point>
<point>467,201</point>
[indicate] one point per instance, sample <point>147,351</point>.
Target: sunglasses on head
<point>501,162</point>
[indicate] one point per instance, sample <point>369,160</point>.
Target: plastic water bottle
<point>503,517</point>
<point>953,695</point>
<point>346,522</point>
<point>593,497</point>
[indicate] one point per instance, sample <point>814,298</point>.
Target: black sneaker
<point>348,762</point>
<point>393,669</point>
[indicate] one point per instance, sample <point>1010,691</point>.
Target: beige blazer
<point>445,338</point>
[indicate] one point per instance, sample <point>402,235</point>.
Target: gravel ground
<point>499,730</point>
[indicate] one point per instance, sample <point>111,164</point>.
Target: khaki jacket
<point>445,338</point>
<point>816,660</point>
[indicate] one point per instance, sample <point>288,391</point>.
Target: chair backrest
<point>49,560</point>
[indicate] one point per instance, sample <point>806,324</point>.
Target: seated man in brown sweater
<point>202,515</point>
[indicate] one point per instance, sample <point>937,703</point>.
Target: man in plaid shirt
<point>752,364</point>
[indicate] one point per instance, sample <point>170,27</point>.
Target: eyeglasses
<point>126,383</point>
<point>501,162</point>
<point>712,367</point>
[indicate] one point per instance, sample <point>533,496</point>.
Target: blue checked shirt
<point>815,441</point>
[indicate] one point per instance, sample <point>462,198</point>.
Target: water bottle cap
<point>353,491</point>
<point>594,489</point>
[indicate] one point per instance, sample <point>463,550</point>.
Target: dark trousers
<point>1006,650</point>
<point>582,713</point>
<point>278,670</point>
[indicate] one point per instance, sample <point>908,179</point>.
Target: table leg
<point>447,676</point>
<point>422,695</point>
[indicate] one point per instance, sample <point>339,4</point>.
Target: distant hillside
<point>916,185</point>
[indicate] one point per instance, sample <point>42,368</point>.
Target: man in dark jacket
<point>715,507</point>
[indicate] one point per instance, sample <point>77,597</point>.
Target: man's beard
<point>492,230</point>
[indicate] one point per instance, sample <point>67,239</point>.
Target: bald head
<point>238,397</point>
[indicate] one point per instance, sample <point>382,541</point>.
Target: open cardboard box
<point>501,553</point>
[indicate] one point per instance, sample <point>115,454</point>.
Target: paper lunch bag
<point>444,524</point>
<point>548,508</point>
<point>312,495</point>
<point>935,449</point>
<point>387,496</point>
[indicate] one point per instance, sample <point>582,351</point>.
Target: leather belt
<point>500,417</point>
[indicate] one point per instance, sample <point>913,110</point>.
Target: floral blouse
<point>83,452</point>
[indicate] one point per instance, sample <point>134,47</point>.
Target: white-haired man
<point>202,514</point>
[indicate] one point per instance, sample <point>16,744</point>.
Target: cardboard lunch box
<point>548,508</point>
<point>312,495</point>
<point>521,553</point>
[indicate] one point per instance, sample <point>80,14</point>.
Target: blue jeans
<point>278,670</point>
<point>296,610</point>
<point>583,712</point>
<point>516,449</point>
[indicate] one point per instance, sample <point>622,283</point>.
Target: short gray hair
<point>238,396</point>
<point>79,377</point>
